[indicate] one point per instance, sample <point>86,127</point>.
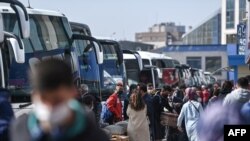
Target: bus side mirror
<point>119,52</point>
<point>99,52</point>
<point>16,44</point>
<point>94,44</point>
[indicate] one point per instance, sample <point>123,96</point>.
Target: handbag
<point>106,115</point>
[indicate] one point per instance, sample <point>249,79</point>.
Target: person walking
<point>239,96</point>
<point>190,113</point>
<point>142,88</point>
<point>114,104</point>
<point>57,115</point>
<point>205,95</point>
<point>92,102</point>
<point>6,114</point>
<point>126,100</point>
<point>161,101</point>
<point>245,113</point>
<point>215,97</point>
<point>138,129</point>
<point>226,89</point>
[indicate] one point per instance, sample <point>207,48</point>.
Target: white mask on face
<point>54,116</point>
<point>41,111</point>
<point>59,114</point>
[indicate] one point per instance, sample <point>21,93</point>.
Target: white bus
<point>164,66</point>
<point>50,37</point>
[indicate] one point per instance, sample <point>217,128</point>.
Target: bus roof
<point>104,38</point>
<point>80,26</point>
<point>108,41</point>
<point>150,55</point>
<point>207,73</point>
<point>8,9</point>
<point>128,56</point>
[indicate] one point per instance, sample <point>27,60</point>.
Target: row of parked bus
<point>28,35</point>
<point>158,69</point>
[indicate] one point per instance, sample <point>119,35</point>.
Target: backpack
<point>107,115</point>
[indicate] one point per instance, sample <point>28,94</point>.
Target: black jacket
<point>19,132</point>
<point>159,104</point>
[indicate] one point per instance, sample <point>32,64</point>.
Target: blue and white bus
<point>89,65</point>
<point>112,70</point>
<point>50,36</point>
<point>105,74</point>
<point>11,46</point>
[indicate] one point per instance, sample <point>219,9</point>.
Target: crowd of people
<point>193,105</point>
<point>63,112</point>
<point>57,114</point>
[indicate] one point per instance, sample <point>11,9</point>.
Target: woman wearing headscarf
<point>190,113</point>
<point>138,129</point>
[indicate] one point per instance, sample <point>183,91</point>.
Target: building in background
<point>210,58</point>
<point>135,46</point>
<point>237,62</point>
<point>221,27</point>
<point>207,33</point>
<point>233,12</point>
<point>162,34</point>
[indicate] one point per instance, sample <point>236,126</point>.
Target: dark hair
<point>183,86</point>
<point>216,92</point>
<point>227,85</point>
<point>143,87</point>
<point>50,74</point>
<point>88,100</point>
<point>132,87</point>
<point>150,85</point>
<point>167,88</point>
<point>138,104</point>
<point>248,77</point>
<point>198,88</point>
<point>243,82</point>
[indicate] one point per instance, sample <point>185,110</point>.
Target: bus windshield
<point>89,70</point>
<point>132,70</point>
<point>110,62</point>
<point>49,36</point>
<point>163,63</point>
<point>46,32</point>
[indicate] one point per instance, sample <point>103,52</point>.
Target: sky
<point>121,19</point>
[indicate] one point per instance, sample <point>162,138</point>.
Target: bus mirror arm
<point>149,67</point>
<point>22,17</point>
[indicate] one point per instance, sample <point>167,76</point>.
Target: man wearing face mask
<point>114,103</point>
<point>160,101</point>
<point>92,102</point>
<point>56,116</point>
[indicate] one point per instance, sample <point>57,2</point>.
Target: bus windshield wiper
<point>25,105</point>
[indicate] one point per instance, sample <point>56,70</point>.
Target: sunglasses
<point>119,85</point>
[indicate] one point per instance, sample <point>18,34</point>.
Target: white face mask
<point>59,114</point>
<point>53,116</point>
<point>41,111</point>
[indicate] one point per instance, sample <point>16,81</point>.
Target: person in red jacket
<point>114,103</point>
<point>205,95</point>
